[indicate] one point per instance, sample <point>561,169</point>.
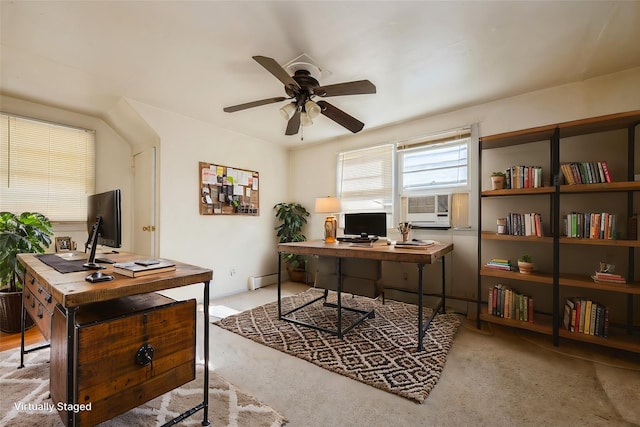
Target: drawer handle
<point>28,295</point>
<point>40,290</point>
<point>33,304</point>
<point>144,356</point>
<point>48,299</point>
<point>33,280</point>
<point>40,314</point>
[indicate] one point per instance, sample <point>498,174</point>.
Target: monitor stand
<point>91,263</point>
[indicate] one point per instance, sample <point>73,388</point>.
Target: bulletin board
<point>228,191</point>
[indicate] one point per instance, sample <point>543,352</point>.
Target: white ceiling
<point>194,58</point>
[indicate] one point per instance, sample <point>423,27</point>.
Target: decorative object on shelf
<point>65,244</point>
<point>293,217</point>
<point>25,233</point>
<point>497,180</point>
<point>525,264</point>
<point>404,228</point>
<point>502,225</point>
<point>606,274</point>
<point>329,205</point>
<point>499,264</point>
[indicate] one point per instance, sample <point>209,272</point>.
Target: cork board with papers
<point>225,190</point>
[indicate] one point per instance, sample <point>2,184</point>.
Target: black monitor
<point>366,224</point>
<point>104,223</point>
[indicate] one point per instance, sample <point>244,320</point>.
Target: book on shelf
<point>521,176</point>
<point>524,224</point>
<point>586,172</point>
<point>601,277</point>
<point>591,225</point>
<point>499,264</point>
<point>143,267</point>
<point>584,316</point>
<point>508,303</point>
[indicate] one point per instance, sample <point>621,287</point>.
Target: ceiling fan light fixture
<point>305,120</point>
<point>288,110</point>
<point>312,109</point>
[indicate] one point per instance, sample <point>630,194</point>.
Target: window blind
<point>435,162</point>
<point>46,168</point>
<point>365,179</point>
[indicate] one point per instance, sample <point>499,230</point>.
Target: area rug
<point>381,352</point>
<point>25,400</point>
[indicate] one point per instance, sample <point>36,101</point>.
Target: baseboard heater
<point>256,282</point>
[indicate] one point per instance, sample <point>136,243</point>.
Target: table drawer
<point>40,292</point>
<point>38,312</point>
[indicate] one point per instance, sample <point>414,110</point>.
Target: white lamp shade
<point>312,109</point>
<point>327,205</point>
<point>287,111</point>
<point>305,120</point>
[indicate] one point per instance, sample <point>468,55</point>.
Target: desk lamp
<point>329,205</point>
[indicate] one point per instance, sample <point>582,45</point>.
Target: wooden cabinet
<point>564,265</point>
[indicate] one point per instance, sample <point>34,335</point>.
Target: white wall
<point>113,165</point>
<point>236,247</point>
<point>605,95</point>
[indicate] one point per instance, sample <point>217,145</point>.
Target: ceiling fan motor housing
<point>306,82</point>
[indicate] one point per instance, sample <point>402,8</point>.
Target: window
<point>434,163</point>
<point>46,168</point>
<point>365,179</point>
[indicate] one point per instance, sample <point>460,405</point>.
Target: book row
<point>524,224</point>
<point>585,172</point>
<point>584,316</point>
<point>523,177</point>
<point>591,225</point>
<point>510,304</point>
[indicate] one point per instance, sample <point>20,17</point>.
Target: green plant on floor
<point>293,217</point>
<point>28,232</point>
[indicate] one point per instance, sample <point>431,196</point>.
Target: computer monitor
<point>104,223</point>
<point>366,224</point>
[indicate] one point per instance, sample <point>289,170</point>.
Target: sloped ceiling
<point>194,58</point>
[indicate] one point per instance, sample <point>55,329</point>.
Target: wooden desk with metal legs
<point>115,344</point>
<point>420,257</point>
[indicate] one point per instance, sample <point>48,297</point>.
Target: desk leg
<point>205,419</point>
<point>279,286</point>
<point>443,286</point>
<point>71,358</point>
<point>339,261</point>
<point>420,304</point>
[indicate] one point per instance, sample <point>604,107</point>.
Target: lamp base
<point>330,229</point>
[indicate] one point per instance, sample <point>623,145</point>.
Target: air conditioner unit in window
<point>429,211</point>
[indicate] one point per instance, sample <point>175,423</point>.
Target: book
<point>133,269</point>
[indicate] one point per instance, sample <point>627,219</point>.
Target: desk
<point>420,257</point>
<point>52,293</point>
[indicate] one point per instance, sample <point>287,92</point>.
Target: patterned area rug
<point>381,352</point>
<point>25,400</point>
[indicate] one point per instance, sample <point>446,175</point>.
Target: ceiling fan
<point>302,87</point>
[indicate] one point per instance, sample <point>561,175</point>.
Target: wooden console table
<point>420,257</point>
<point>95,329</point>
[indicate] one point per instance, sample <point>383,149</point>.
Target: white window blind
<point>365,179</point>
<point>434,163</point>
<point>46,168</point>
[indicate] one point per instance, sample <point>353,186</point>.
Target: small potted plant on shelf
<point>293,217</point>
<point>25,233</point>
<point>525,264</point>
<point>497,180</point>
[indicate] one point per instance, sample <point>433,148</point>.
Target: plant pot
<point>525,267</point>
<point>297,274</point>
<point>10,312</point>
<point>497,182</point>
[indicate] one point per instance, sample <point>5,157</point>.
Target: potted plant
<point>25,233</point>
<point>293,217</point>
<point>497,180</point>
<point>525,264</point>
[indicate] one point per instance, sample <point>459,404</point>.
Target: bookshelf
<point>564,264</point>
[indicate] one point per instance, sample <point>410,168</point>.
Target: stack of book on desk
<point>415,244</point>
<point>143,267</point>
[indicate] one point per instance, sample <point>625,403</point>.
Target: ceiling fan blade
<point>280,73</point>
<point>294,124</point>
<point>340,117</point>
<point>350,88</point>
<point>240,107</point>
